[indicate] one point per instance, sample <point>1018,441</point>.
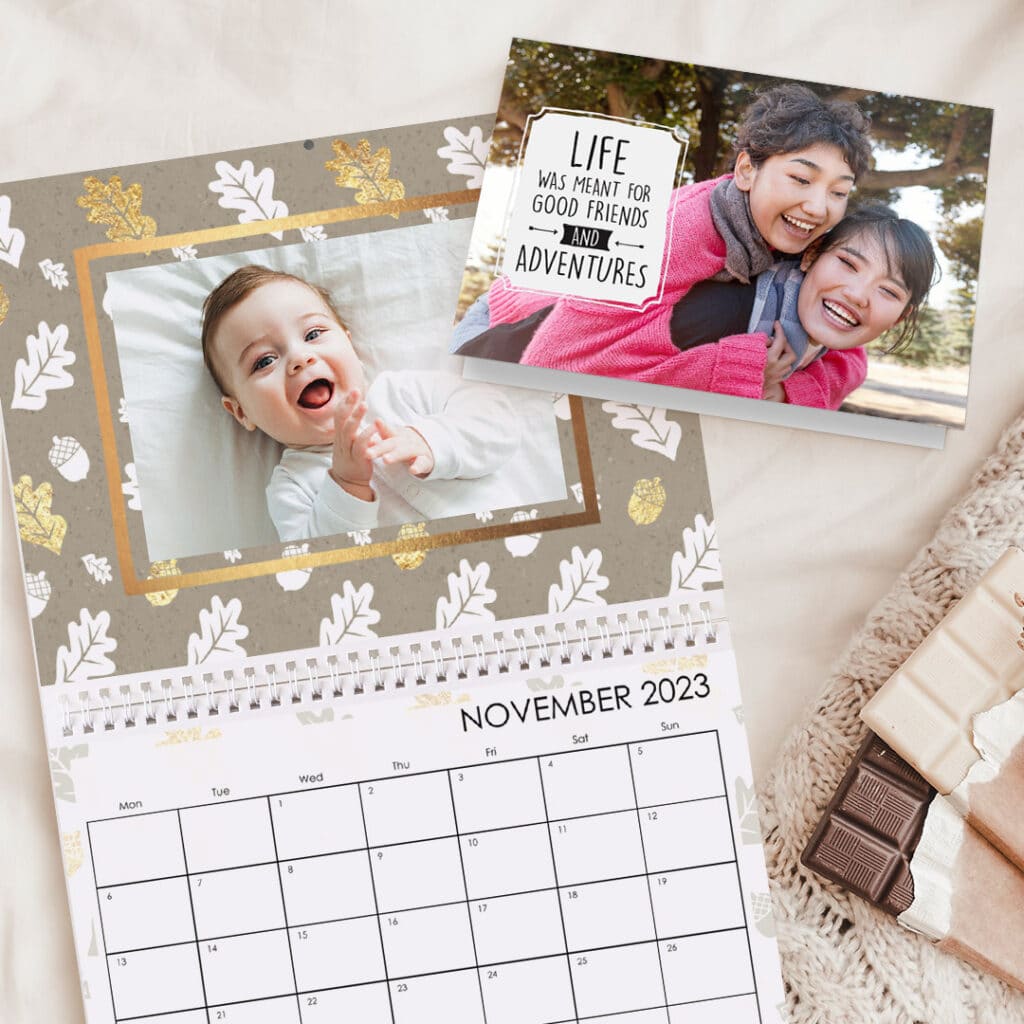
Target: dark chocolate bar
<point>871,828</point>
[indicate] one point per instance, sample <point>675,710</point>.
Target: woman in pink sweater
<point>797,159</point>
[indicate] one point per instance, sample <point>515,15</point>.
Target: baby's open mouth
<point>839,315</point>
<point>316,394</point>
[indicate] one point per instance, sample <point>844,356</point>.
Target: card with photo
<point>728,242</point>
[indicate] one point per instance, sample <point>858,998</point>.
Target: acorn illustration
<point>646,501</point>
<point>38,588</point>
<point>294,579</point>
<point>407,560</point>
<point>525,543</point>
<point>69,458</point>
<point>168,567</point>
<point>73,858</point>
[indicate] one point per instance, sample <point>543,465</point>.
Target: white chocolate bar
<point>972,661</point>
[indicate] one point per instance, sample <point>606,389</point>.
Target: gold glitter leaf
<point>37,524</point>
<point>72,843</point>
<point>119,208</point>
<point>646,501</point>
<point>5,304</point>
<point>366,172</point>
<point>160,598</point>
<point>407,560</point>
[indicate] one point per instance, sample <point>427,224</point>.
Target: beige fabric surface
<point>812,528</point>
<point>845,961</point>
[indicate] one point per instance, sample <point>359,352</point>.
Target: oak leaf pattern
<point>352,615</point>
<point>649,428</point>
<point>37,522</point>
<point>12,240</point>
<point>468,596</point>
<point>580,583</point>
<point>698,563</point>
<point>85,656</point>
<point>44,370</point>
<point>252,194</point>
<point>219,632</point>
<point>365,171</point>
<point>466,154</point>
<point>118,207</point>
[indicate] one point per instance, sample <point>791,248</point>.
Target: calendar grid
<point>554,871</point>
<point>284,910</point>
<point>192,913</point>
<point>647,875</point>
<point>465,889</point>
<point>376,904</point>
<point>627,973</point>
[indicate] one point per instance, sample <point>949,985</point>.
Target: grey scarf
<point>746,253</point>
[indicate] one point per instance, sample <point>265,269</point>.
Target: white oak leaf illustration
<point>466,154</point>
<point>130,488</point>
<point>219,633</point>
<point>122,410</point>
<point>12,240</point>
<point>314,233</point>
<point>61,760</point>
<point>85,656</point>
<point>359,537</point>
<point>184,252</point>
<point>232,556</point>
<point>242,189</point>
<point>98,568</point>
<point>468,596</point>
<point>44,370</point>
<point>54,273</point>
<point>581,582</point>
<point>746,812</point>
<point>698,562</point>
<point>352,616</point>
<point>650,428</point>
<point>436,214</point>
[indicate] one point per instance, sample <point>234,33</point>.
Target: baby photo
<point>821,243</point>
<point>304,391</point>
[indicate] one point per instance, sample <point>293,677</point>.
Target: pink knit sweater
<point>590,337</point>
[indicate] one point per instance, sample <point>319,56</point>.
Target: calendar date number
<point>668,691</point>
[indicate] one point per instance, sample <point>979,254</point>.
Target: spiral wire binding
<point>424,660</point>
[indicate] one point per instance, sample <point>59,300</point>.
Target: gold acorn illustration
<point>647,501</point>
<point>72,844</point>
<point>37,523</point>
<point>69,458</point>
<point>410,559</point>
<point>5,304</point>
<point>160,598</point>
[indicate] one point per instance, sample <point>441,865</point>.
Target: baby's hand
<point>404,445</point>
<point>778,364</point>
<point>351,465</point>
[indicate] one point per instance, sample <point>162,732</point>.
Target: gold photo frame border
<point>135,584</point>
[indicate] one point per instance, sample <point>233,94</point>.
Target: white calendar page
<point>559,845</point>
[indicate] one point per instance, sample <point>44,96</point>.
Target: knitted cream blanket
<point>844,961</point>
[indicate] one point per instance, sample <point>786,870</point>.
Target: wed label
<point>589,213</point>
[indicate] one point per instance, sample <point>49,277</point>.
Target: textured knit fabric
<point>746,253</point>
<point>472,432</point>
<point>606,340</point>
<point>844,961</point>
<point>777,291</point>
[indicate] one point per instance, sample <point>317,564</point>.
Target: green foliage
<point>943,338</point>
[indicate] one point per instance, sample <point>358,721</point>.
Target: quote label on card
<point>590,205</point>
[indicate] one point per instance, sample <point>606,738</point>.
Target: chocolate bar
<point>887,836</point>
<point>871,828</point>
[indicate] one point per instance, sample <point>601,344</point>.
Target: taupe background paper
<point>813,528</point>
